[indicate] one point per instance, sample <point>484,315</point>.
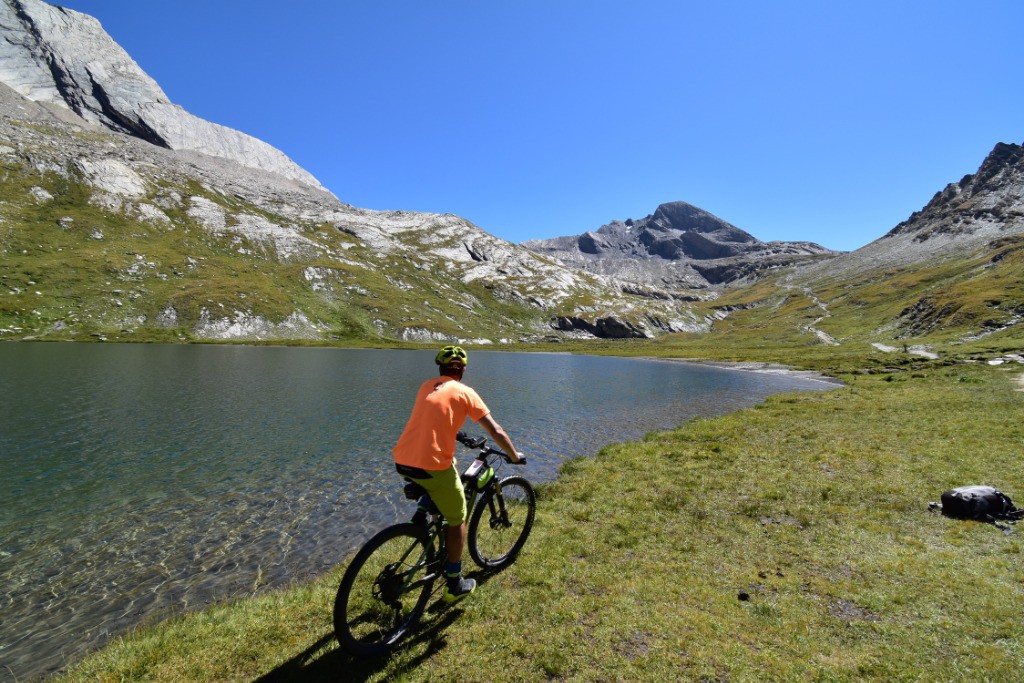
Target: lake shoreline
<point>762,367</point>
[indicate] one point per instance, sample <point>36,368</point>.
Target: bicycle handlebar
<point>469,442</point>
<point>495,451</point>
<point>480,442</point>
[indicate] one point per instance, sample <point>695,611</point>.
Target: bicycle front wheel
<point>501,522</point>
<point>384,590</point>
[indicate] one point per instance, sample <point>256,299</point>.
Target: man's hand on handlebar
<point>520,458</point>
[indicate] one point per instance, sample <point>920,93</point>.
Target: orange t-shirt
<point>442,406</point>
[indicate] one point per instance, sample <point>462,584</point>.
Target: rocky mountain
<point>981,207</point>
<point>123,216</point>
<point>960,221</point>
<point>951,272</point>
<point>679,246</point>
<point>66,60</point>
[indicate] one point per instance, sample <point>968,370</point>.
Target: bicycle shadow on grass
<point>325,660</point>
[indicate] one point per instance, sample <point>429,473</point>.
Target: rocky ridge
<point>64,59</point>
<point>981,206</point>
<point>330,269</point>
<point>678,247</point>
<point>960,220</point>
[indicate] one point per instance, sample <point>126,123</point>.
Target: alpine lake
<point>142,480</point>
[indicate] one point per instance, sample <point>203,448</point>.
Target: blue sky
<point>821,121</point>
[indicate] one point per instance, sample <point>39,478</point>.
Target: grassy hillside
<point>960,308</point>
<point>131,246</point>
<point>791,541</point>
<point>945,302</point>
<point>75,266</point>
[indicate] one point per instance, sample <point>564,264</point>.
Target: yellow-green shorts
<point>444,488</point>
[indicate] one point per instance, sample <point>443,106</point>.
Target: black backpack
<point>981,503</point>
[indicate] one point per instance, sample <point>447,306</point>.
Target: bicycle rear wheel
<point>501,522</point>
<point>384,590</point>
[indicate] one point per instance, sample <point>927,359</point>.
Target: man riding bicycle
<point>425,454</point>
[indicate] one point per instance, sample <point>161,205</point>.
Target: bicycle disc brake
<point>500,521</point>
<point>388,586</point>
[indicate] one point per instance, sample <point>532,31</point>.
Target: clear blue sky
<point>822,121</point>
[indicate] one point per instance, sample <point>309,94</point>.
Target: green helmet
<point>450,353</point>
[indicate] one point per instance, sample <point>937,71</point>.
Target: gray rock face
<point>679,246</point>
<point>960,220</point>
<point>65,59</point>
<point>991,199</point>
<point>606,328</point>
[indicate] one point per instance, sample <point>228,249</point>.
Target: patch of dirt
<point>849,611</point>
<point>916,350</point>
<point>785,519</point>
<point>634,645</point>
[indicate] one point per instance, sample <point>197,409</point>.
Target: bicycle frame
<point>437,530</point>
<point>421,561</point>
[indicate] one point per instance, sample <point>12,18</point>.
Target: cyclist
<point>425,454</point>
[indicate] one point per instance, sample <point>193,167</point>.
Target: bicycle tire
<point>384,590</point>
<point>495,540</point>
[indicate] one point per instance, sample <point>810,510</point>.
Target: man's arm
<point>499,436</point>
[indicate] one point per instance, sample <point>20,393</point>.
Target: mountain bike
<point>389,582</point>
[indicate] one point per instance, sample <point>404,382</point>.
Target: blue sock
<point>453,569</point>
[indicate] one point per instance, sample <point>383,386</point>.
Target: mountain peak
<point>679,246</point>
<point>689,218</point>
<point>981,204</point>
<point>64,58</point>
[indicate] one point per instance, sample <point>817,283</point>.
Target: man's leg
<point>456,542</point>
<point>454,509</point>
<point>456,586</point>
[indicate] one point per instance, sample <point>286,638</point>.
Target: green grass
<point>813,505</point>
<point>940,303</point>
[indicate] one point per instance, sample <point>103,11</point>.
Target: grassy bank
<point>813,506</point>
